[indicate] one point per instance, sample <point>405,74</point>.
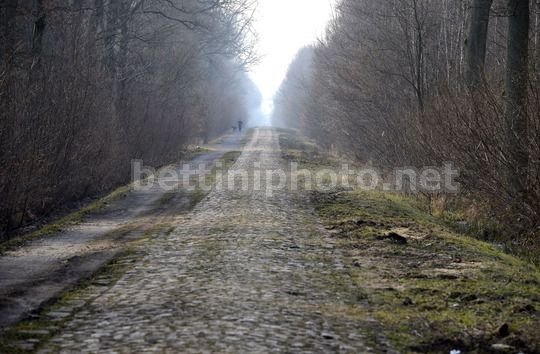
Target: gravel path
<point>246,272</point>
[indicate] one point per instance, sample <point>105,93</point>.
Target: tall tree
<point>8,11</point>
<point>477,40</point>
<point>39,29</point>
<point>516,94</point>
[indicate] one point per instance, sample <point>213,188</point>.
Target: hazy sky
<point>283,27</point>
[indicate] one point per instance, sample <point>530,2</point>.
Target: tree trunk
<point>419,55</point>
<point>8,9</point>
<point>96,21</point>
<point>37,35</point>
<point>477,41</point>
<point>111,34</point>
<point>516,95</point>
<point>122,60</point>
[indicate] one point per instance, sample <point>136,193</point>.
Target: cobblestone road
<point>246,272</point>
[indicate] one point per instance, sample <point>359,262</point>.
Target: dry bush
<point>386,86</point>
<point>468,128</point>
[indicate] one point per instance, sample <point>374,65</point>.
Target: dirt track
<point>45,267</point>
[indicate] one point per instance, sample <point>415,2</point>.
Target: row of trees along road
<point>423,82</point>
<point>88,85</point>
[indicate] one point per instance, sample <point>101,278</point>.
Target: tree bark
<point>122,58</point>
<point>111,34</point>
<point>37,35</point>
<point>8,10</point>
<point>96,21</point>
<point>516,95</point>
<point>477,41</point>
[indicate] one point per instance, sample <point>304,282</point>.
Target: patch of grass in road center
<point>229,159</point>
<point>198,194</point>
<point>226,163</point>
<point>434,291</point>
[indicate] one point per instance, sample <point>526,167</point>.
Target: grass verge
<point>423,286</point>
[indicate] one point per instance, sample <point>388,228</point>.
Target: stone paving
<point>45,267</point>
<point>245,272</point>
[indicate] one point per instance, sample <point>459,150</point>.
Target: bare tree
<point>516,91</point>
<point>477,40</point>
<point>88,85</point>
<point>8,11</point>
<point>40,24</point>
<point>385,87</point>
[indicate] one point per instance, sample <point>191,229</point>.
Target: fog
<point>283,27</point>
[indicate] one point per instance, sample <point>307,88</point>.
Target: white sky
<point>283,27</point>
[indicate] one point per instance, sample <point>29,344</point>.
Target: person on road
<point>240,126</point>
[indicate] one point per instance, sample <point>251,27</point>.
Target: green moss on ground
<point>65,222</point>
<point>229,159</point>
<point>438,290</point>
<point>296,148</point>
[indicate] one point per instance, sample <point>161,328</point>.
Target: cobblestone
<point>245,272</point>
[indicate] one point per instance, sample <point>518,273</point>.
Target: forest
<point>88,85</point>
<point>421,83</point>
<point>266,176</point>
